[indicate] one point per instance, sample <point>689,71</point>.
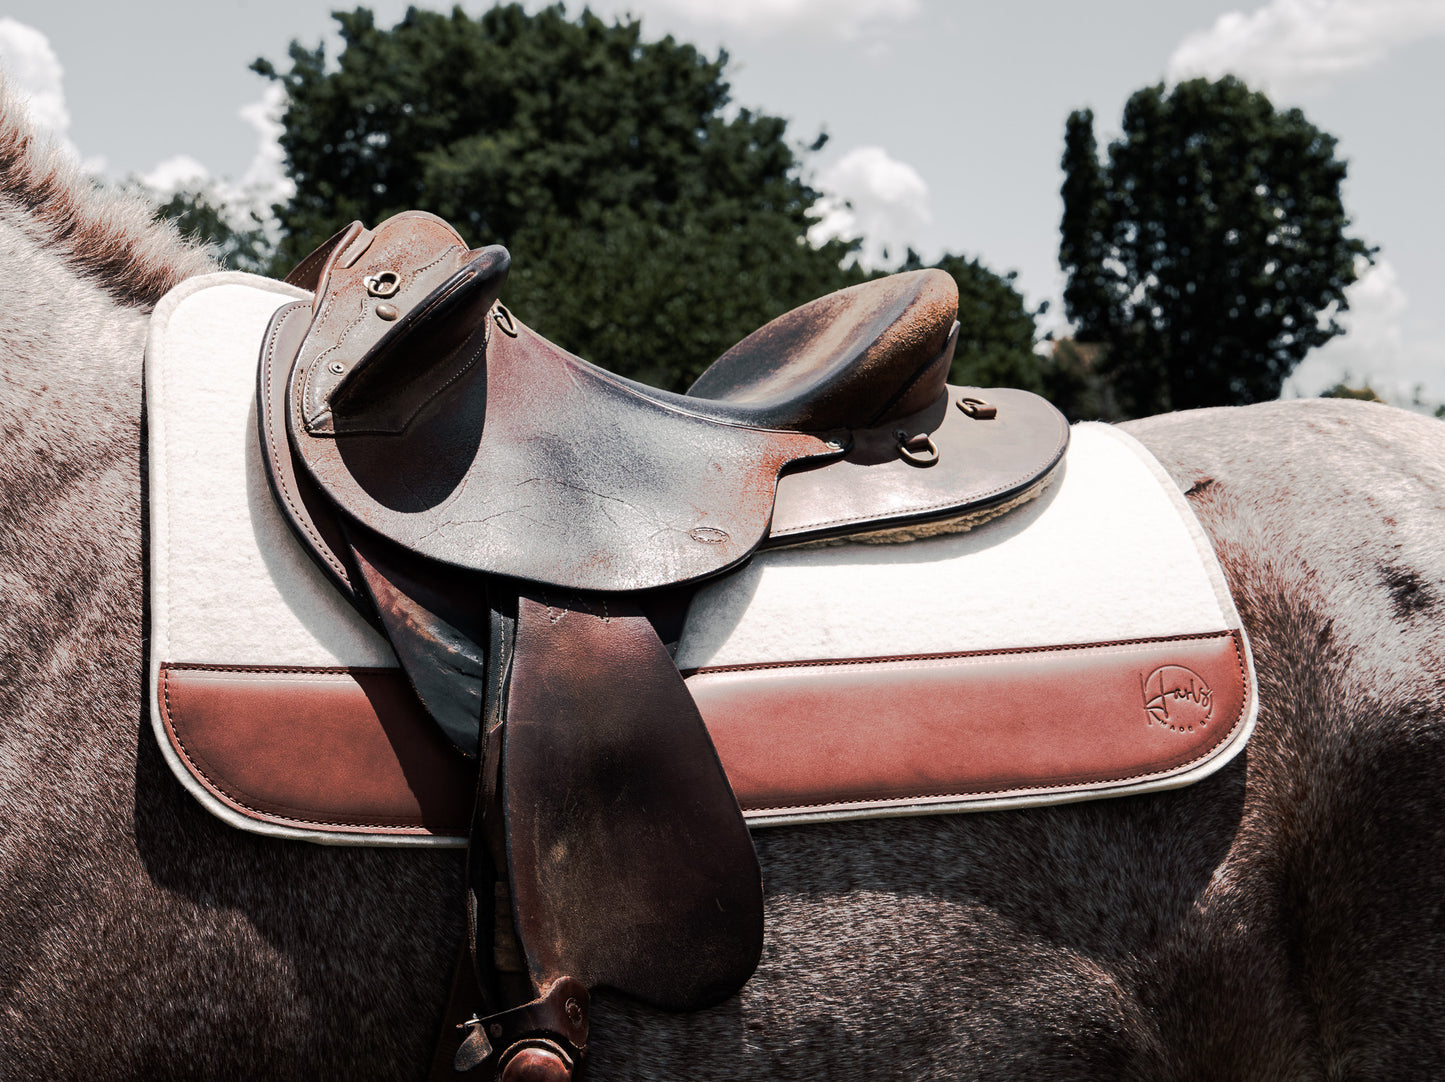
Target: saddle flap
<point>630,862</point>
<point>437,622</point>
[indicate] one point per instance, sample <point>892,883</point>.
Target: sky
<point>945,120</point>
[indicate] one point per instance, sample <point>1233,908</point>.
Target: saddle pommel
<point>399,313</point>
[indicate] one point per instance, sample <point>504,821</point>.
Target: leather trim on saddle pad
<point>366,758</point>
<point>835,739</point>
<point>799,741</point>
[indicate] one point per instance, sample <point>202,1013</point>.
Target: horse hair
<point>109,236</point>
<point>1280,919</point>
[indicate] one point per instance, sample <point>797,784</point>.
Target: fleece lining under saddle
<point>404,413</point>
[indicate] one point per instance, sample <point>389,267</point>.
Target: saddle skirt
<point>1084,645</point>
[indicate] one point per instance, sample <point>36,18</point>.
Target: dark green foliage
<point>649,231</point>
<point>202,220</point>
<point>1358,394</point>
<point>1074,381</point>
<point>1203,249</point>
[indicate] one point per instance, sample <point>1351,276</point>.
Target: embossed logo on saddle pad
<point>1177,698</point>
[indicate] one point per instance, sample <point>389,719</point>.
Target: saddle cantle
<point>514,520</point>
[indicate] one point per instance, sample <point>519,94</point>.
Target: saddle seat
<point>509,515</point>
<point>850,360</point>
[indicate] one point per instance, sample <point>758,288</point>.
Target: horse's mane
<point>108,235</point>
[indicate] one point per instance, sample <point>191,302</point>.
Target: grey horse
<point>1282,919</point>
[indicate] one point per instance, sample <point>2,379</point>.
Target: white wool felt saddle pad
<point>1083,645</point>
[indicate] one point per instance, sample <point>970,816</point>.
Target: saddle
<point>526,530</point>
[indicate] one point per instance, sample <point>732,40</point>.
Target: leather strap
<point>462,1003</point>
<point>630,864</point>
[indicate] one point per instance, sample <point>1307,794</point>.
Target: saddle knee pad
<point>1082,645</point>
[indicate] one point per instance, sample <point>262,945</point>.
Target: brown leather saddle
<point>526,529</point>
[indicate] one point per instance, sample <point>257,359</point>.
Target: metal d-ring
<point>504,320</point>
<point>977,408</point>
<point>919,450</point>
<point>382,284</point>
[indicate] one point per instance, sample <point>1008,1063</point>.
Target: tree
<point>1208,253</point>
<point>646,227</point>
<point>198,216</point>
<point>650,227</point>
<point>1357,394</point>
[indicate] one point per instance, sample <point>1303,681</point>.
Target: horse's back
<point>1278,919</point>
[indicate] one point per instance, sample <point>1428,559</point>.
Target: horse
<point>1279,919</point>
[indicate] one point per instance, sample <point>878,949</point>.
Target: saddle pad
<point>1083,645</point>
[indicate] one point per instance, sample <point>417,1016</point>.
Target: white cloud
<point>263,183</point>
<point>844,18</point>
<point>868,194</point>
<point>175,173</point>
<point>1291,47</point>
<point>33,69</point>
<point>1377,350</point>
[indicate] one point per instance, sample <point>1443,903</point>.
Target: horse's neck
<point>83,266</point>
<point>70,516</point>
<point>71,399</point>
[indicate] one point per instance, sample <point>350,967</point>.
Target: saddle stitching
<point>318,545</point>
<point>463,370</point>
<point>557,612</point>
<point>308,390</point>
